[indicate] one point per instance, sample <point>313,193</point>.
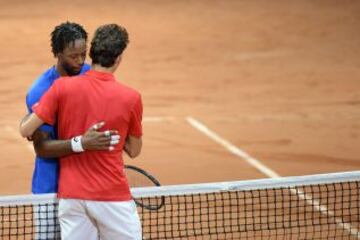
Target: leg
<point>116,220</point>
<point>74,221</point>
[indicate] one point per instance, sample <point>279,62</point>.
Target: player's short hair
<point>64,34</point>
<point>108,43</point>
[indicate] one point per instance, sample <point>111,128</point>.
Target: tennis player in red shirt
<point>94,193</point>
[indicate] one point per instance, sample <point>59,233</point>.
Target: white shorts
<point>93,220</point>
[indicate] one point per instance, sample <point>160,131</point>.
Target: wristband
<point>76,145</point>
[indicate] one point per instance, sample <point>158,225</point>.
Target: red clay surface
<point>278,79</point>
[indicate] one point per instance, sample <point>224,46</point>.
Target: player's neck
<point>60,70</point>
<point>112,69</point>
<point>100,68</point>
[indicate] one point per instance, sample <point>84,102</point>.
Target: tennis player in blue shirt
<point>68,42</point>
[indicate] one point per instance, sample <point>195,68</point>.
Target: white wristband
<point>76,145</point>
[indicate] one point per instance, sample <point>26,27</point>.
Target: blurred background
<point>277,80</point>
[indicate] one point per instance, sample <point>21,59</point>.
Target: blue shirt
<point>46,171</point>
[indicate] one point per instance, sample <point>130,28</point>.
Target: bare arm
<point>43,145</point>
<point>48,148</point>
<point>29,124</point>
<point>133,146</point>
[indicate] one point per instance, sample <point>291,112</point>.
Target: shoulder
<point>131,96</point>
<point>86,67</point>
<point>66,82</point>
<point>63,80</point>
<point>43,81</point>
<point>40,86</point>
<point>69,85</point>
<point>129,91</point>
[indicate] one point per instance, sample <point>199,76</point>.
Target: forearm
<point>91,140</point>
<point>127,148</point>
<point>133,146</point>
<point>29,124</point>
<point>53,148</point>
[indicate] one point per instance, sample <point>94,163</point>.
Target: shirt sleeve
<point>29,103</point>
<point>46,109</point>
<point>34,95</point>
<point>135,126</point>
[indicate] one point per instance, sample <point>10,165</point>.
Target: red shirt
<point>77,103</point>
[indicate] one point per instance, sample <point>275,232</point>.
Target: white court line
<point>159,119</point>
<point>232,148</point>
<point>270,173</point>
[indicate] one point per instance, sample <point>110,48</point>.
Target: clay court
<point>276,80</point>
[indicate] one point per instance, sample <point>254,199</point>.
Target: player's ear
<point>118,59</point>
<point>117,62</point>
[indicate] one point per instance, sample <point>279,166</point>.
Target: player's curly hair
<point>108,43</point>
<point>64,34</point>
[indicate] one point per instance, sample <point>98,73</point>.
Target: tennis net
<point>325,206</point>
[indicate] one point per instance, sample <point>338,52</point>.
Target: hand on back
<point>93,139</point>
